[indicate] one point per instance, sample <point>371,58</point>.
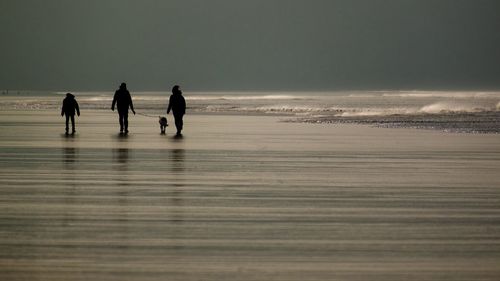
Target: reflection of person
<point>123,101</point>
<point>69,107</point>
<point>178,106</point>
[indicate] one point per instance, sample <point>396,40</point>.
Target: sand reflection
<point>121,173</point>
<point>177,170</point>
<point>69,157</point>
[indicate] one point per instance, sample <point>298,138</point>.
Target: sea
<point>452,111</point>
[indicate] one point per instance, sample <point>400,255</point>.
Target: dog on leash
<point>163,124</point>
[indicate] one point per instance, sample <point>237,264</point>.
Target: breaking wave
<point>444,107</point>
<point>244,98</point>
<point>442,94</point>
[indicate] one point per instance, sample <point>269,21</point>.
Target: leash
<point>151,116</point>
<point>147,115</point>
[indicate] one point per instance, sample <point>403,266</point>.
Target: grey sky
<point>250,44</point>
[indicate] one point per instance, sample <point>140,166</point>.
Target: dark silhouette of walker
<point>70,105</point>
<point>177,104</point>
<point>123,101</point>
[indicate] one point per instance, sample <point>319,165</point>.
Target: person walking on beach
<point>70,105</point>
<point>177,104</point>
<point>123,101</point>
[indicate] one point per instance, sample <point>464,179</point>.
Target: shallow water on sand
<point>244,198</point>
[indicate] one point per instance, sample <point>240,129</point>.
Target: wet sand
<point>244,198</point>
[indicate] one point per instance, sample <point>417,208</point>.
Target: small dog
<point>163,124</point>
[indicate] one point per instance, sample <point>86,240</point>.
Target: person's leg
<point>120,118</point>
<point>178,123</point>
<point>67,125</point>
<point>73,124</point>
<point>125,121</point>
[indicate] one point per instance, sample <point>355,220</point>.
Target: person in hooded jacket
<point>70,105</point>
<point>123,101</point>
<point>177,104</point>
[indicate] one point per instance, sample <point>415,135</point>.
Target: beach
<point>244,197</point>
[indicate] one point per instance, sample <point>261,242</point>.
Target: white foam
<point>290,108</point>
<point>249,97</point>
<point>443,107</point>
<point>134,98</point>
<point>442,94</point>
<point>97,99</point>
<point>377,111</point>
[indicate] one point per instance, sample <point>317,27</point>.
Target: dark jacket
<point>70,106</point>
<point>123,101</point>
<point>177,104</point>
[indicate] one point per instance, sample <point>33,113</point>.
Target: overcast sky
<point>250,44</point>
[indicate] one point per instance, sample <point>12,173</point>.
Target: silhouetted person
<point>68,108</point>
<point>123,101</point>
<point>178,106</point>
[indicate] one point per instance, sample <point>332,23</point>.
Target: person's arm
<point>77,108</point>
<point>183,105</point>
<point>113,104</point>
<point>131,103</point>
<point>169,105</point>
<point>62,109</point>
